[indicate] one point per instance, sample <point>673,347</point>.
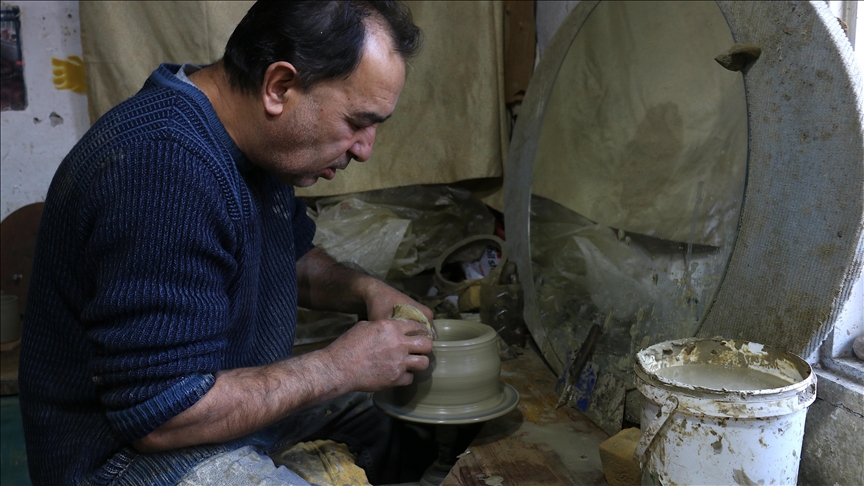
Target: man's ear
<point>280,87</point>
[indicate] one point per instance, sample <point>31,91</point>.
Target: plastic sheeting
<point>641,290</point>
<point>638,185</point>
<point>400,232</point>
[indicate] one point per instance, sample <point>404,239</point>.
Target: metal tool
<point>579,361</point>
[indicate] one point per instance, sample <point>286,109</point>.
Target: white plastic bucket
<point>733,413</point>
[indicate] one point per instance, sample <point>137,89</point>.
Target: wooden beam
<point>520,40</point>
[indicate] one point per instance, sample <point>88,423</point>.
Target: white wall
<point>31,149</point>
<point>849,11</point>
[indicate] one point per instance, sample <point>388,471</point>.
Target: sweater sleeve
<point>161,252</point>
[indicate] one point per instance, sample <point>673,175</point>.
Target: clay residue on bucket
<point>746,364</point>
<point>723,377</point>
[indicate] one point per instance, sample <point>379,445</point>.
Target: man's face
<point>336,119</point>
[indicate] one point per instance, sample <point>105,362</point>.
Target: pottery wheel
<point>450,415</point>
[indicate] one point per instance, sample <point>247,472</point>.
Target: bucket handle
<point>670,404</point>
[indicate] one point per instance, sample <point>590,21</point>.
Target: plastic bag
<point>363,234</point>
<point>620,277</point>
<point>398,233</point>
<point>581,258</point>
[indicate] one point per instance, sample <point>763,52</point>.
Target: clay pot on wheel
<point>461,384</point>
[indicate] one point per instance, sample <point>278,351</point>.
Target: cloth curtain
<point>644,131</point>
<point>450,124</point>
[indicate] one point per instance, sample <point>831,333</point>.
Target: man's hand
<point>374,355</point>
<point>380,299</point>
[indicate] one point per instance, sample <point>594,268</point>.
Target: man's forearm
<point>327,284</point>
<point>372,355</point>
<point>247,399</point>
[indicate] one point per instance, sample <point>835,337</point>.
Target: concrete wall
<point>35,140</point>
<point>833,449</point>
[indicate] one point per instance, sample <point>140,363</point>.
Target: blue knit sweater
<point>163,257</point>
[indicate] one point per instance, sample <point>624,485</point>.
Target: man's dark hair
<point>322,39</point>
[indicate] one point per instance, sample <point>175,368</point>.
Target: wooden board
<point>17,246</point>
<point>9,353</point>
<point>519,45</point>
<point>535,444</point>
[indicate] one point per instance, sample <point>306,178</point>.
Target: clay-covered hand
<point>381,300</point>
<point>374,355</point>
<point>409,312</point>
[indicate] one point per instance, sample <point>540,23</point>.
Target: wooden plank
<point>519,45</point>
<point>9,354</point>
<point>535,444</point>
<point>17,245</point>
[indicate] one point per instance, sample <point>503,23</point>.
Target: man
<point>172,255</point>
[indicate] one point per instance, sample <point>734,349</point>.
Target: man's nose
<point>362,148</point>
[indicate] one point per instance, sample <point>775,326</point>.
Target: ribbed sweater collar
<point>166,76</point>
